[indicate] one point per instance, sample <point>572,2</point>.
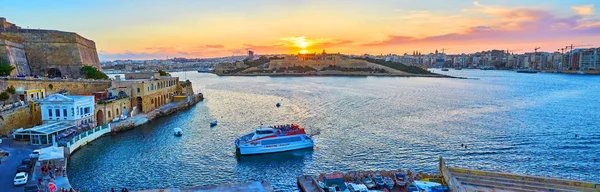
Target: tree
<point>90,72</point>
<point>5,68</point>
<point>4,96</point>
<point>11,90</point>
<point>162,73</point>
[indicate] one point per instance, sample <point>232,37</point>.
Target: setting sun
<point>303,51</point>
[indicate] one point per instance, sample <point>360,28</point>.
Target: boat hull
<point>264,149</point>
<point>526,71</point>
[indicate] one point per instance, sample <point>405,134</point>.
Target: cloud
<point>216,46</point>
<point>584,9</point>
<point>504,25</point>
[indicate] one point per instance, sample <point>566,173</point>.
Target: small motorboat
<point>177,132</point>
<point>457,68</point>
<point>278,104</point>
<point>379,180</point>
<point>428,186</point>
<point>412,188</point>
<point>400,179</point>
<point>389,182</point>
<point>445,69</point>
<point>369,182</point>
<point>213,123</point>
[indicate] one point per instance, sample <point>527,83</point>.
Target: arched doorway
<point>53,72</point>
<point>139,104</point>
<point>100,118</point>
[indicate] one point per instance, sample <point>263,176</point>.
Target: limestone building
<point>46,52</point>
<point>149,91</point>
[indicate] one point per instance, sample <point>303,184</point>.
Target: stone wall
<point>14,54</point>
<point>20,118</point>
<point>47,49</point>
<point>75,87</point>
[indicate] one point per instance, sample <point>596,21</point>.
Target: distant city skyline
<point>141,30</point>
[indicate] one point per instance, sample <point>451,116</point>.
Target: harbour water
<point>538,124</point>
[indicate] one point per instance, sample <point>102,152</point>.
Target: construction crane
<point>571,51</point>
<point>443,50</point>
<point>535,57</point>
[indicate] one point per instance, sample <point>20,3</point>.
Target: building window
<point>72,111</point>
<point>108,114</point>
<point>117,112</point>
<point>80,111</point>
<point>57,112</point>
<point>138,89</point>
<point>65,112</point>
<point>86,110</point>
<point>50,112</point>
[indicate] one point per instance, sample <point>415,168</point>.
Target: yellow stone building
<point>148,91</point>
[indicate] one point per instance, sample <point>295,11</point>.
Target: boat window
<point>282,140</point>
<point>264,132</point>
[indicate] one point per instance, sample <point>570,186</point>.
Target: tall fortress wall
<point>48,52</point>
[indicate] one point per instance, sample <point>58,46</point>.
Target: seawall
<point>165,110</point>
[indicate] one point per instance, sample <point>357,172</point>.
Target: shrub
<point>162,73</point>
<point>4,96</point>
<point>11,90</point>
<point>5,69</point>
<point>90,72</point>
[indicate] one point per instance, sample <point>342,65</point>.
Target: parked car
<point>31,188</point>
<point>20,178</point>
<point>35,154</point>
<point>26,162</point>
<point>23,168</point>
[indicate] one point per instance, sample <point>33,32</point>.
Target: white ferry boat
<point>274,139</point>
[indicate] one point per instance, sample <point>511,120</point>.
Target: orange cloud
<point>584,9</point>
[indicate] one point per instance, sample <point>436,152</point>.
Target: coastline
<point>434,75</point>
<point>141,119</point>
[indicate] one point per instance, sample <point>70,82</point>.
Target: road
<point>17,152</point>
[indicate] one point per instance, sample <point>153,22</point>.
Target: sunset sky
<point>148,29</point>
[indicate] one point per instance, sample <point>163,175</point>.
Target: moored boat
<point>274,139</point>
<point>445,69</point>
<point>379,180</point>
<point>278,104</point>
<point>213,123</point>
<point>412,188</point>
<point>177,132</point>
<point>368,182</point>
<point>389,183</point>
<point>400,179</point>
<point>526,70</point>
<point>428,186</point>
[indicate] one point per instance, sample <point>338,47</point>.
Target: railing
<point>87,136</point>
